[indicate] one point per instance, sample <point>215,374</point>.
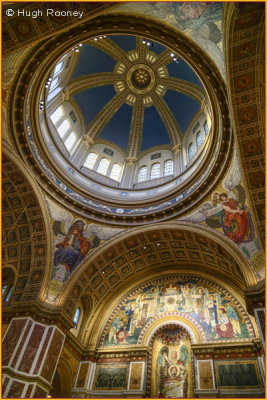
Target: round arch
<point>176,243</point>
<point>63,380</point>
<point>29,223</point>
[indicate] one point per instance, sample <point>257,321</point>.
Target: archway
<point>171,363</point>
<point>63,381</point>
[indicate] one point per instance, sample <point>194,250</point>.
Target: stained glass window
<point>63,128</point>
<point>54,83</point>
<point>77,316</point>
<point>90,161</point>
<point>56,115</point>
<point>142,173</point>
<point>168,167</point>
<point>191,151</point>
<point>199,140</point>
<point>155,171</point>
<point>71,140</point>
<point>103,166</point>
<point>116,172</point>
<point>58,68</point>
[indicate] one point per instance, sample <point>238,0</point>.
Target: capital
<point>88,140</point>
<point>131,160</point>
<point>176,149</point>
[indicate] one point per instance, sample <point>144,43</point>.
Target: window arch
<point>168,167</point>
<point>103,166</point>
<point>63,128</point>
<point>116,172</point>
<point>54,83</point>
<point>77,316</point>
<point>206,128</point>
<point>142,172</point>
<point>57,114</point>
<point>8,279</point>
<point>199,139</point>
<point>90,160</point>
<point>155,171</point>
<point>58,68</point>
<point>191,151</point>
<point>70,141</point>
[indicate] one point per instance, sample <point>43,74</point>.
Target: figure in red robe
<point>236,220</point>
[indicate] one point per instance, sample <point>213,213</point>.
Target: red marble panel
<point>29,391</point>
<point>21,344</point>
<point>32,348</point>
<point>16,389</point>
<point>38,364</point>
<point>39,393</point>
<point>11,339</point>
<point>52,356</point>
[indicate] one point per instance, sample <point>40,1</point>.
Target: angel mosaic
<point>72,243</point>
<point>172,373</point>
<point>227,210</point>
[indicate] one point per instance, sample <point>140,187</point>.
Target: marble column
<point>30,354</point>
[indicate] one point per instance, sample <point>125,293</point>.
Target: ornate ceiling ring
<point>47,53</point>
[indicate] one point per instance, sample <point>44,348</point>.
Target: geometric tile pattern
<point>246,66</point>
<point>24,237</point>
<point>20,31</point>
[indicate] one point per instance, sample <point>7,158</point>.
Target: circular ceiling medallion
<point>140,78</point>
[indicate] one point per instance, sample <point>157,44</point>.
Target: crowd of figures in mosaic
<point>212,309</point>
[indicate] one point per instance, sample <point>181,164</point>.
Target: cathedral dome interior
<point>133,200</point>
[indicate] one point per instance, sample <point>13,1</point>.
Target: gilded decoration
<point>227,211</point>
<point>171,374</point>
<point>211,309</point>
<point>136,376</point>
<point>205,375</point>
<point>74,239</point>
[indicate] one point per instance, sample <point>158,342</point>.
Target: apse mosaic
<point>228,212</point>
<point>74,239</point>
<point>210,308</point>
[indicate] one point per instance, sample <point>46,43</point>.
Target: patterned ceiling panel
<point>144,252</point>
<point>246,66</point>
<point>24,239</point>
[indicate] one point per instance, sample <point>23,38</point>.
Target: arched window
<point>58,68</point>
<point>142,173</point>
<point>77,316</point>
<point>54,83</point>
<point>206,128</point>
<point>90,160</point>
<point>168,167</point>
<point>70,141</point>
<point>8,279</point>
<point>63,128</point>
<point>116,172</point>
<point>103,166</point>
<point>199,140</point>
<point>155,171</point>
<point>191,151</point>
<point>57,114</point>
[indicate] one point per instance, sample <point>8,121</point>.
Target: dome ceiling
<point>135,96</point>
<point>150,89</point>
